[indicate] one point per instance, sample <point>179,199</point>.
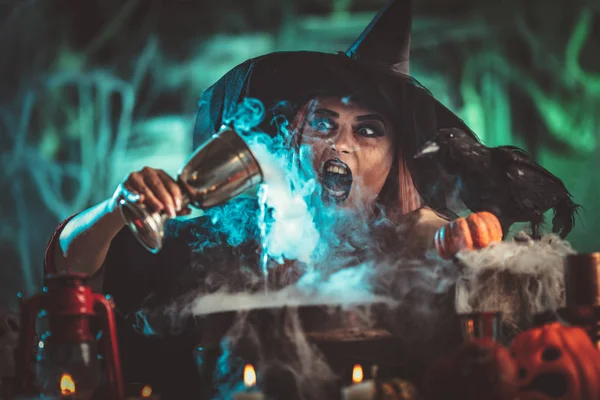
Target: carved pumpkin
<point>474,232</point>
<point>557,362</point>
<point>479,370</point>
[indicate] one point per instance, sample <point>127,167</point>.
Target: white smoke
<point>347,287</point>
<point>350,262</point>
<point>292,234</point>
<point>520,278</point>
<point>288,366</point>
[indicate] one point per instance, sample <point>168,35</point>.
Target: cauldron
<point>342,335</point>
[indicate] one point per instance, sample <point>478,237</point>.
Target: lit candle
<point>146,392</point>
<point>359,390</point>
<point>67,386</point>
<point>249,382</point>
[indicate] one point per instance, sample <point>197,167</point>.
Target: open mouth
<point>337,180</point>
<point>554,385</point>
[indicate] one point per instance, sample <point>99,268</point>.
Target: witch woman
<point>363,118</point>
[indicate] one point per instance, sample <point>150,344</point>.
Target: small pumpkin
<point>557,362</point>
<point>474,232</point>
<point>396,389</point>
<point>480,369</point>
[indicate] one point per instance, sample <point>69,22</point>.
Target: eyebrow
<point>370,117</point>
<point>326,111</point>
<point>360,118</point>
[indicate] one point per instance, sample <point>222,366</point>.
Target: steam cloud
<point>519,278</point>
<point>289,367</point>
<point>344,258</point>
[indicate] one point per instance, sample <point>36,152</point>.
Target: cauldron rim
<point>213,327</point>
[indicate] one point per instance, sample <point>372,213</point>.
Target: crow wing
<point>514,158</point>
<point>530,184</point>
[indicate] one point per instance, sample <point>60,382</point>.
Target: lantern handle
<point>104,309</point>
<point>29,312</point>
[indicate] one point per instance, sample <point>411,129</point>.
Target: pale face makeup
<point>352,149</point>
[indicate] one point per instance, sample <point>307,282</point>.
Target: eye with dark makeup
<point>367,125</point>
<point>370,130</point>
<point>323,124</point>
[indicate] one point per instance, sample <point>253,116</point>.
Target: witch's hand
<point>476,231</point>
<point>155,189</point>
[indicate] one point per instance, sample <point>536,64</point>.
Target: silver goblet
<point>221,169</point>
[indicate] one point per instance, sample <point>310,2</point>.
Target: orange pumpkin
<point>396,389</point>
<point>557,362</point>
<point>481,369</point>
<point>474,232</point>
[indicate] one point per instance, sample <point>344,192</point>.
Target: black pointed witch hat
<point>375,69</point>
<point>383,48</point>
<point>386,40</point>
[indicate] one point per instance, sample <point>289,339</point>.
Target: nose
<point>344,142</point>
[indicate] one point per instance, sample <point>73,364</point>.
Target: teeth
<point>336,170</point>
<point>335,192</point>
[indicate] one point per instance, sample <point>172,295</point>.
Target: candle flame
<point>471,327</point>
<point>357,374</point>
<point>249,376</point>
<point>146,392</point>
<point>67,385</point>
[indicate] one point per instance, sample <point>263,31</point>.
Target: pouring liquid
<point>262,225</point>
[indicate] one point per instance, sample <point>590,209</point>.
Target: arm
<point>84,240</point>
<point>421,226</point>
<point>81,244</point>
<point>430,230</point>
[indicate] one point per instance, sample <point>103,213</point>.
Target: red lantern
<point>557,362</point>
<point>67,363</point>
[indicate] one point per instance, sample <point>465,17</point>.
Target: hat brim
<point>285,81</point>
<point>292,78</point>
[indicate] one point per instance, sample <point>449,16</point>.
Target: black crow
<point>504,181</point>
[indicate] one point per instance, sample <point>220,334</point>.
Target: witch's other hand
<point>153,188</point>
<point>476,231</point>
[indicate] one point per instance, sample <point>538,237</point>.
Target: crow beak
<point>428,148</point>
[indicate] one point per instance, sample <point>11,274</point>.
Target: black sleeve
<point>138,279</point>
<point>131,273</point>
